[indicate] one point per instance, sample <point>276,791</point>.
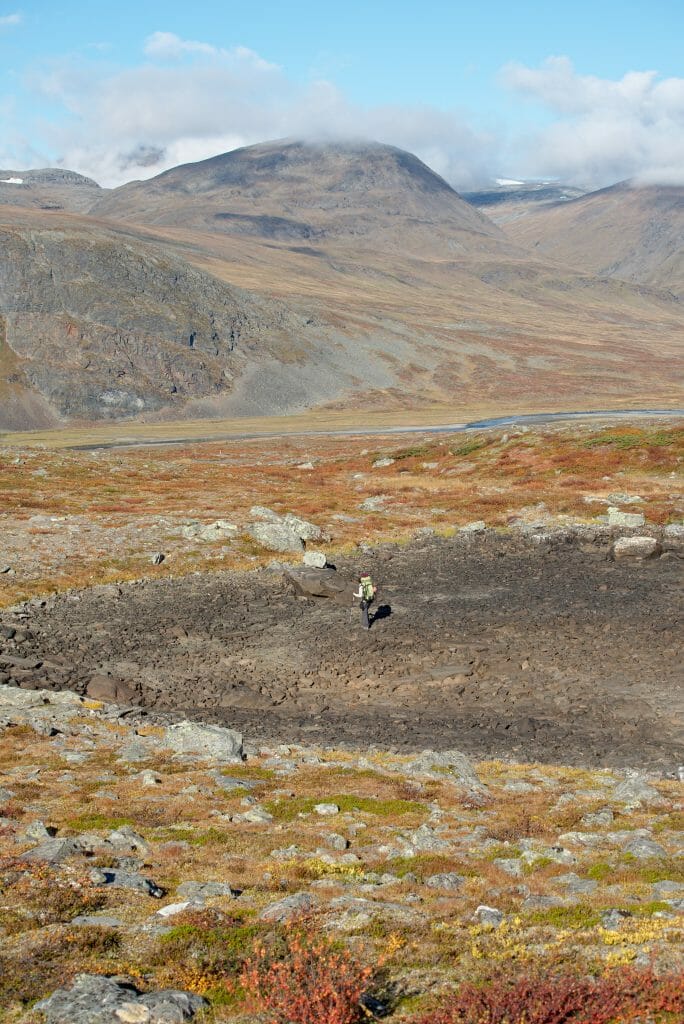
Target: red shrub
<point>311,982</point>
<point>618,998</point>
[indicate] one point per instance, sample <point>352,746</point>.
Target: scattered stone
<point>326,809</point>
<point>383,463</point>
<point>446,764</point>
<point>126,880</point>
<point>336,841</point>
<point>197,891</point>
<point>53,851</point>
<point>510,865</point>
<point>150,778</point>
<point>96,921</point>
<point>445,880</point>
<point>276,536</point>
<point>643,848</point>
<point>489,915</point>
<point>574,885</point>
<point>478,526</point>
<point>38,832</point>
<point>598,818</point>
<point>327,583</point>
<point>612,919</point>
<point>636,547</point>
<point>289,907</point>
<point>536,902</point>
<point>618,518</point>
<point>315,559</point>
<point>171,909</point>
<point>636,790</point>
<point>158,558</point>
<point>518,786</point>
<point>375,503</point>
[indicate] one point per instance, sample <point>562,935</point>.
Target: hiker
<point>366,593</point>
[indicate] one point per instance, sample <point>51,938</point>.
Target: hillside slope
<point>356,277</point>
<point>631,233</point>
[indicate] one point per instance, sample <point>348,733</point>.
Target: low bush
<point>623,996</point>
<point>305,979</point>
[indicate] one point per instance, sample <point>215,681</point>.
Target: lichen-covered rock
<point>96,999</point>
<point>210,741</point>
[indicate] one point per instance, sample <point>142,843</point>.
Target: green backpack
<point>367,588</point>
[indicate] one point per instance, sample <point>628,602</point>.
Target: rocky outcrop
<point>104,326</point>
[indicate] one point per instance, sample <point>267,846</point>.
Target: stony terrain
<point>540,647</point>
<point>144,859</point>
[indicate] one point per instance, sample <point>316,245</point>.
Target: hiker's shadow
<point>383,612</point>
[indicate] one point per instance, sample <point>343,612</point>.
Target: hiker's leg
<point>364,615</point>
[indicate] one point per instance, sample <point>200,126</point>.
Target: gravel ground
<point>495,645</point>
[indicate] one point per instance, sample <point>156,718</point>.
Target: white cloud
<point>604,130</point>
<point>9,20</point>
<point>191,100</point>
<point>167,45</point>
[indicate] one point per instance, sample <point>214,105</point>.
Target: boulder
<point>210,741</point>
<point>276,536</point>
<point>291,906</point>
<point>315,559</point>
<point>478,526</point>
<point>281,533</point>
<point>321,583</point>
<point>618,518</point>
<point>636,547</point>
<point>96,999</point>
<point>110,690</point>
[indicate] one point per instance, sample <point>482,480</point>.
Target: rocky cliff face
<point>104,327</point>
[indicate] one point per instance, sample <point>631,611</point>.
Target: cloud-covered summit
<point>188,99</point>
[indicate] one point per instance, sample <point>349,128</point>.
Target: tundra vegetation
<point>74,518</point>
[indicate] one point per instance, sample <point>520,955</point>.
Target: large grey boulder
<point>276,536</point>
<point>281,533</point>
<point>95,999</point>
<point>210,741</point>
<point>321,583</point>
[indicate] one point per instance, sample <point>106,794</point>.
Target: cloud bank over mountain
<point>189,99</point>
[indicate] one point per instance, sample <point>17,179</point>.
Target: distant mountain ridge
<point>628,231</point>
<point>290,275</point>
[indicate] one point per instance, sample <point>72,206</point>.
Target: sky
<point>588,93</point>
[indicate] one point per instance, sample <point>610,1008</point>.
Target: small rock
<point>335,841</point>
<point>489,915</point>
<point>636,790</point>
<point>326,809</point>
<point>53,851</point>
<point>535,902</point>
<point>602,817</point>
<point>643,849</point>
<point>478,526</point>
<point>38,832</point>
<point>289,907</point>
<point>315,559</point>
<point>196,891</point>
<point>126,880</point>
<point>510,865</point>
<point>575,885</point>
<point>612,919</point>
<point>618,518</point>
<point>383,463</point>
<point>445,880</point>
<point>96,999</point>
<point>95,921</point>
<point>171,909</point>
<point>158,558</point>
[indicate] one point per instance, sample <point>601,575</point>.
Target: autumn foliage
<point>307,981</point>
<point>620,997</point>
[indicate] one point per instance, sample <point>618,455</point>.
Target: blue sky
<point>588,92</point>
